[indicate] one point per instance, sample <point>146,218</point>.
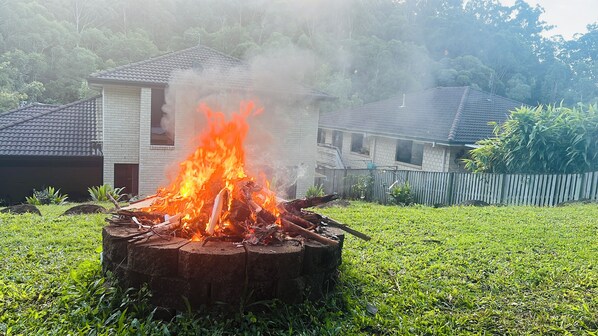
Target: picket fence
<point>433,188</point>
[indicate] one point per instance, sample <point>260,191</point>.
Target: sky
<point>569,16</point>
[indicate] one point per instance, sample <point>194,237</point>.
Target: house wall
<point>456,155</point>
<point>120,127</point>
<point>436,158</point>
<point>303,139</point>
<point>156,160</point>
<point>127,125</point>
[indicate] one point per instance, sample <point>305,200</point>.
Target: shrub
<point>401,194</point>
<point>362,187</point>
<point>100,193</point>
<point>315,191</point>
<point>50,195</point>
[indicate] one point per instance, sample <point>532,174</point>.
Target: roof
<point>24,112</point>
<point>46,130</point>
<point>451,115</point>
<point>157,71</point>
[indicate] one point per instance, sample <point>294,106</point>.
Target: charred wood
<point>294,228</point>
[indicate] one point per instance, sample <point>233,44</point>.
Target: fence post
<point>582,187</point>
<point>503,186</point>
<point>449,189</point>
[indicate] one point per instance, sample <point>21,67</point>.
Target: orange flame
<point>217,164</point>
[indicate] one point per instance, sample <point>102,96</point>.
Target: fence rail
<point>432,188</point>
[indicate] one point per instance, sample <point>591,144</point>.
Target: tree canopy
<point>362,50</point>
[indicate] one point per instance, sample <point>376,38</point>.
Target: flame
<point>218,163</point>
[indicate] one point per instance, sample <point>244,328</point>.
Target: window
<point>337,140</point>
<point>159,135</point>
<point>321,136</point>
<point>409,152</point>
<point>358,145</point>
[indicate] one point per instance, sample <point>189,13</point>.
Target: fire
<point>212,181</point>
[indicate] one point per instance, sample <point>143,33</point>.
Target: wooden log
<point>292,227</point>
<point>299,221</point>
<point>345,228</point>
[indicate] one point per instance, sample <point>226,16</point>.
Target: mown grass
<point>456,270</point>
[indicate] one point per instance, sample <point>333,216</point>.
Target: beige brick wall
<point>154,160</point>
<point>384,152</point>
<point>120,127</point>
<point>435,158</point>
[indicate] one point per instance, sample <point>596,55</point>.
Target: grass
<point>446,271</point>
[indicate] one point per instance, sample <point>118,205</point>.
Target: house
<point>139,148</point>
<point>429,130</point>
<point>49,145</point>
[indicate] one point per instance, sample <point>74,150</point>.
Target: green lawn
<point>456,270</point>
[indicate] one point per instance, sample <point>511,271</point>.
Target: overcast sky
<point>569,16</point>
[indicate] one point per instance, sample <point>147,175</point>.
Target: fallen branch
<point>345,228</point>
<point>292,227</point>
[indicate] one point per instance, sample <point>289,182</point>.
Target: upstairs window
<point>159,135</point>
<point>359,144</point>
<point>321,136</point>
<point>337,140</point>
<point>409,152</point>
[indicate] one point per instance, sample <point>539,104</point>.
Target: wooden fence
<point>432,188</point>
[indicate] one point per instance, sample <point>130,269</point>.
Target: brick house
<point>429,130</point>
<point>49,145</point>
<point>138,149</point>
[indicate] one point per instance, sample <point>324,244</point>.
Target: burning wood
<point>257,226</point>
<point>216,212</point>
<point>214,197</point>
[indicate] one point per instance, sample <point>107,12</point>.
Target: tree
<point>545,139</point>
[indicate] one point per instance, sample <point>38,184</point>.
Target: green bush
<point>401,194</point>
<point>315,191</point>
<point>362,186</point>
<point>50,195</point>
<point>100,193</point>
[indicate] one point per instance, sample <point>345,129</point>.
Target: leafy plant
<point>401,194</point>
<point>315,191</point>
<point>100,193</point>
<point>541,140</point>
<point>362,187</point>
<point>50,195</point>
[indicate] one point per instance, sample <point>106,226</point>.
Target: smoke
<point>273,80</point>
<point>276,76</point>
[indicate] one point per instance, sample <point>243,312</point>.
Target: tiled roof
<point>157,71</point>
<point>457,115</point>
<point>43,130</point>
<point>23,113</point>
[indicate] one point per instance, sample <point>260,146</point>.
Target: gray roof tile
<point>66,130</point>
<point>457,115</point>
<point>157,71</point>
<point>24,112</point>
